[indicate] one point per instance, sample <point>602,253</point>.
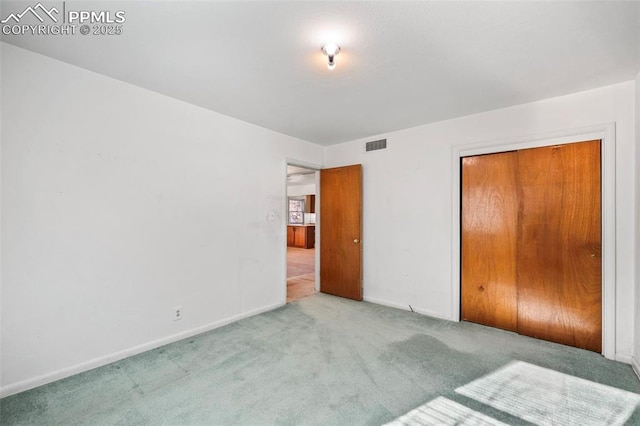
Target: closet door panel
<point>489,215</point>
<point>559,244</point>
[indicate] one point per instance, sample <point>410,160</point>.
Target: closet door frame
<point>604,132</point>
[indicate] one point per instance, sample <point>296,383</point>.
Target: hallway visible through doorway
<point>300,273</point>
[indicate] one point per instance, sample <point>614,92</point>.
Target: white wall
<point>119,204</point>
<point>636,346</point>
<point>1,233</point>
<point>407,223</point>
<point>299,190</point>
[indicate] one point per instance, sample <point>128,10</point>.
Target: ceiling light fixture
<point>331,50</point>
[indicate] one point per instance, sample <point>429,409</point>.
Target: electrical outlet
<point>177,313</point>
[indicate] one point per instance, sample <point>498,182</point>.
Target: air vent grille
<point>375,145</point>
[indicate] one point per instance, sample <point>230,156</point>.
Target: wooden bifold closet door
<point>531,242</point>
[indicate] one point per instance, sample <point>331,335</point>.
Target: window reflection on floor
<point>544,396</point>
<point>443,411</point>
<point>532,393</point>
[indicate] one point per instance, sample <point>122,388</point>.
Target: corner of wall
<point>1,298</point>
<point>636,272</point>
<point>636,366</point>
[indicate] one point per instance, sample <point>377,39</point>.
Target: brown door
<point>340,231</point>
<point>531,242</point>
<point>559,244</point>
<point>489,219</point>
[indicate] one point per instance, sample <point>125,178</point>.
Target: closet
<point>531,242</point>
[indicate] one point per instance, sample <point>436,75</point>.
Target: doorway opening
<point>302,188</point>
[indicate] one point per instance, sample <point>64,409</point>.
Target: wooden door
<point>489,225</point>
<point>559,244</point>
<point>531,243</point>
<point>340,231</point>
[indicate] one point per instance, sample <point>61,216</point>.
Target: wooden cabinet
<point>309,236</point>
<point>291,236</point>
<point>301,236</point>
<point>310,203</point>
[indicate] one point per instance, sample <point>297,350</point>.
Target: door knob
<point>356,241</point>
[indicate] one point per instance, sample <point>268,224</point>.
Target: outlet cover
<point>177,313</point>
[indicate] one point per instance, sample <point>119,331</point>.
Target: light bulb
<point>331,50</point>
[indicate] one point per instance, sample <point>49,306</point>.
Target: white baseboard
<point>627,359</point>
<point>635,366</point>
<point>117,356</point>
<point>406,308</point>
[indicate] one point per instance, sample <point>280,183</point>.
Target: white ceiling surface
<point>402,64</point>
<point>298,176</point>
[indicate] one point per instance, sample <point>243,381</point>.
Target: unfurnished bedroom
<point>319,213</point>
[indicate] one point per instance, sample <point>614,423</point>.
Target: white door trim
<point>604,132</point>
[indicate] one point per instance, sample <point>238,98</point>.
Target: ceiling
<point>298,176</point>
<point>402,64</point>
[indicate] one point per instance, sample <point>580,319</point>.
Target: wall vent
<point>375,145</point>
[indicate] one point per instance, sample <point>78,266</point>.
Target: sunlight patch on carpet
<point>548,397</point>
<point>443,411</point>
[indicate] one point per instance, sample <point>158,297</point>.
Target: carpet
<point>321,360</point>
<point>443,411</point>
<point>547,397</point>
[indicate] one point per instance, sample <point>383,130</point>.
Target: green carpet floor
<point>330,361</point>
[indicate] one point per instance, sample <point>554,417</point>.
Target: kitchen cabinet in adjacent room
<point>302,236</point>
<point>310,203</point>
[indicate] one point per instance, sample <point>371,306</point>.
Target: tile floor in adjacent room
<point>300,273</point>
